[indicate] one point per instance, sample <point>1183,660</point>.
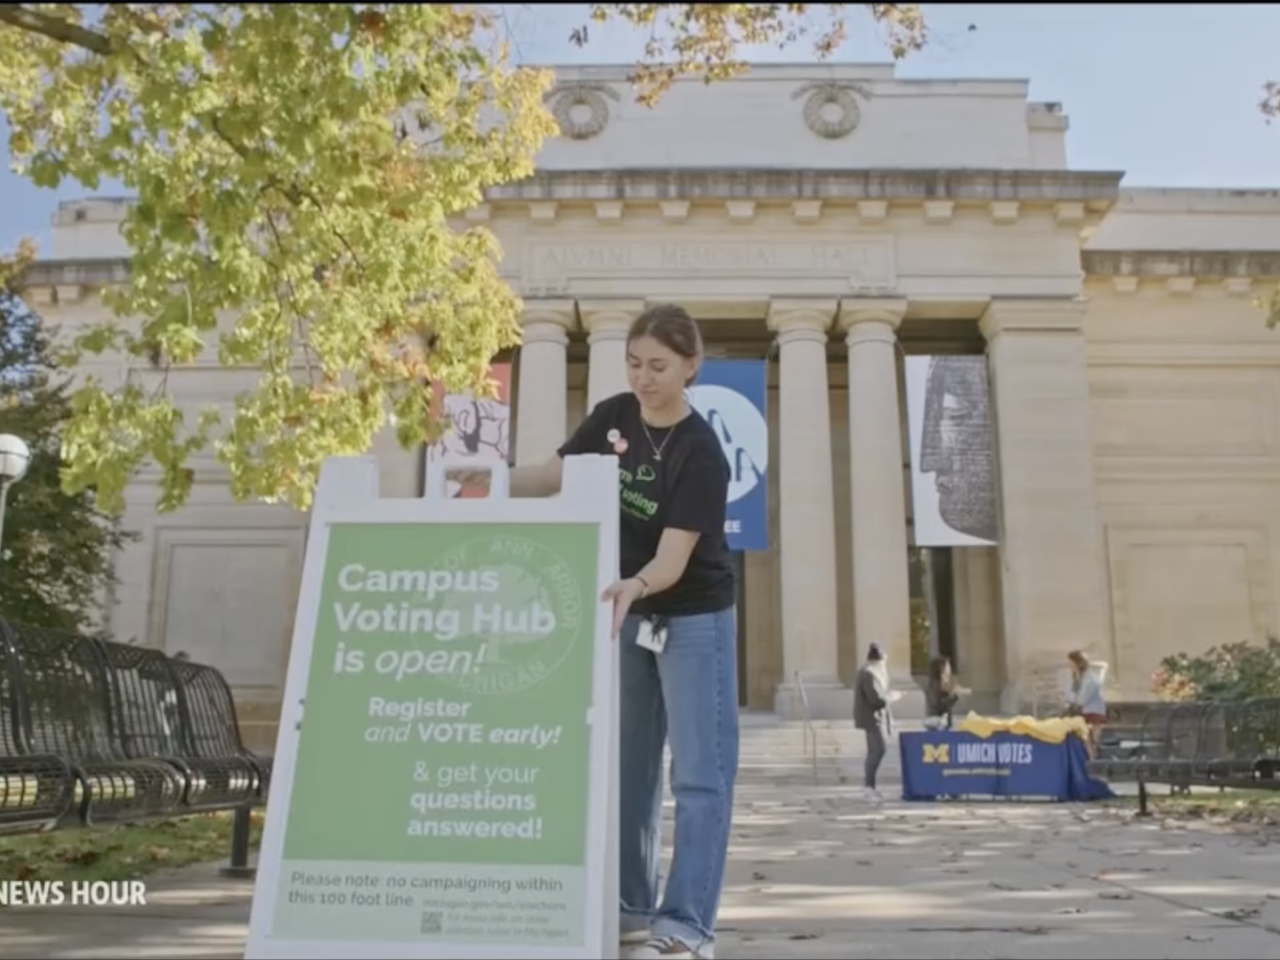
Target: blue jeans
<point>690,693</point>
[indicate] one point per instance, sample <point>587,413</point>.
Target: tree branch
<point>63,31</point>
<point>215,124</point>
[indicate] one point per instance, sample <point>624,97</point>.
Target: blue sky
<point>1166,93</point>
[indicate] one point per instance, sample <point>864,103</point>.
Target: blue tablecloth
<point>943,763</point>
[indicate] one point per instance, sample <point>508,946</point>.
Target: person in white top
<point>1087,699</point>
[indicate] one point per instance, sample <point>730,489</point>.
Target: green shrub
<point>1231,672</point>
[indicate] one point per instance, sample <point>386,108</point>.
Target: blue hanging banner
<point>730,395</point>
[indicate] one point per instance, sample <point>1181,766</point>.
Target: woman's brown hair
<point>672,327</point>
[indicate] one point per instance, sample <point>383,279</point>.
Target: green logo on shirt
<point>633,501</point>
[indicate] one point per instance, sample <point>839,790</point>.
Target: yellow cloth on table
<point>1052,730</point>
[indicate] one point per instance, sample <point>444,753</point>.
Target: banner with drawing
<point>953,482</point>
<point>477,429</point>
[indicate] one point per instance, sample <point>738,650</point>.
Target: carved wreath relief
<point>830,110</point>
<point>581,109</point>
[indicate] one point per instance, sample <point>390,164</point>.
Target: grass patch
<point>1261,807</point>
<point>121,851</point>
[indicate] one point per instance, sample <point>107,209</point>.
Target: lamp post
<point>15,455</point>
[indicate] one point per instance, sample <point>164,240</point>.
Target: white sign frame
<point>348,493</point>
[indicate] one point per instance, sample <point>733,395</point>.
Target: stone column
<point>881,586</point>
<point>607,323</point>
<point>810,642</point>
<point>1052,556</point>
<point>542,403</point>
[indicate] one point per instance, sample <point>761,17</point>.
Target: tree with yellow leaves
<point>300,168</point>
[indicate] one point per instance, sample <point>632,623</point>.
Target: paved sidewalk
<point>817,872</point>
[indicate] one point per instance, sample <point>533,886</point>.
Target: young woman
<point>873,714</point>
<point>1087,699</point>
<point>942,693</point>
<point>676,597</point>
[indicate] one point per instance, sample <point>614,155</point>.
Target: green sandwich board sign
<point>445,772</point>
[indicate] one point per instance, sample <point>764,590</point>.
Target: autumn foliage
<point>300,171</point>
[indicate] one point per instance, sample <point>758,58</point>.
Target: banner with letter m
<point>731,396</point>
<point>937,753</point>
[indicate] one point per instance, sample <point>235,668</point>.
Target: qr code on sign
<point>432,921</point>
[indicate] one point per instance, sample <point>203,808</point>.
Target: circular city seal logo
<point>520,615</point>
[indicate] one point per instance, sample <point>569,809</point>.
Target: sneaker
<point>872,795</point>
<point>671,948</point>
<point>634,938</point>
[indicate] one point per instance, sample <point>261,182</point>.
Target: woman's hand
<point>470,478</point>
<point>623,593</point>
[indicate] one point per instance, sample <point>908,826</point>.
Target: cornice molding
<point>1162,264</point>
<point>91,272</point>
<point>1097,188</point>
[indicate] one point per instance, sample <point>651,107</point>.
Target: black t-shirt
<point>686,488</point>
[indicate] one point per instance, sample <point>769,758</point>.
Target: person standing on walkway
<point>1087,699</point>
<point>872,713</point>
<point>674,610</point>
<point>942,693</point>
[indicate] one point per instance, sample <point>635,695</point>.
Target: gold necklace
<point>657,449</point>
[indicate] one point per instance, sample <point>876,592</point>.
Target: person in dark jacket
<point>941,694</point>
<point>872,713</point>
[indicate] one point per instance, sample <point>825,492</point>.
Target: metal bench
<point>1251,736</point>
<point>93,732</point>
<point>1142,739</point>
<point>65,710</point>
<point>1185,745</point>
<point>212,721</point>
<point>37,791</point>
<point>153,722</point>
<point>215,732</point>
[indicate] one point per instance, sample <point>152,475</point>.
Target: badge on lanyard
<point>652,635</point>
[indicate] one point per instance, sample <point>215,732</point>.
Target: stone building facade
<point>834,221</point>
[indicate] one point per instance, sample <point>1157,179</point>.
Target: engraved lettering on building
<point>865,262</point>
<point>581,259</point>
<point>719,256</point>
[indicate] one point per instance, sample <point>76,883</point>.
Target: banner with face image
<point>953,481</point>
<point>730,395</point>
<point>478,429</point>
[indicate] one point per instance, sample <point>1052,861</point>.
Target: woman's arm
<point>660,573</point>
<point>537,479</point>
<point>696,508</point>
<point>544,479</point>
<point>669,562</point>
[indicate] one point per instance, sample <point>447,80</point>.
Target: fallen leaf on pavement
<point>1239,913</point>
